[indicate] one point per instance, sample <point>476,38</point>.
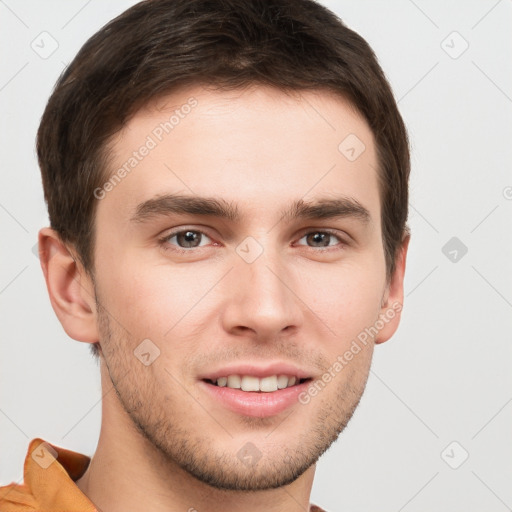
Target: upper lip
<point>260,371</point>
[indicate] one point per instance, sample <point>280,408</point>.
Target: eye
<point>184,239</point>
<point>321,239</point>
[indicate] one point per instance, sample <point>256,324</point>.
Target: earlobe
<point>70,288</point>
<point>392,305</point>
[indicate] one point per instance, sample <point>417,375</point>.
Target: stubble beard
<point>179,442</point>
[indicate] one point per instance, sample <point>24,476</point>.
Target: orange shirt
<point>49,482</point>
<point>49,485</point>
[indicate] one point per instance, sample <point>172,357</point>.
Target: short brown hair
<point>157,46</point>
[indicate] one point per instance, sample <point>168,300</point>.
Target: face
<point>242,247</point>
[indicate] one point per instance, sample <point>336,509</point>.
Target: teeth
<point>234,381</point>
<point>282,381</point>
<point>268,384</point>
<point>251,383</point>
<point>222,381</point>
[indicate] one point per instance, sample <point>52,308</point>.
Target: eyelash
<point>164,241</point>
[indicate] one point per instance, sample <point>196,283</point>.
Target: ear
<point>392,302</point>
<point>70,288</point>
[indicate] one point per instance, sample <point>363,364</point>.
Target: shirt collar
<point>50,473</point>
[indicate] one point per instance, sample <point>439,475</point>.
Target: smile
<point>251,383</point>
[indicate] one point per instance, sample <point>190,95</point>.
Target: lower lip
<point>257,404</point>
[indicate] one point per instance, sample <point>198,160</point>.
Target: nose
<point>262,299</point>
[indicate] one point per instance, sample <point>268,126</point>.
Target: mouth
<point>249,390</point>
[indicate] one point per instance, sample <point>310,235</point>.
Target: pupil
<point>321,238</point>
<point>188,238</point>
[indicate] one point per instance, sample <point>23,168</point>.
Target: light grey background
<point>444,377</point>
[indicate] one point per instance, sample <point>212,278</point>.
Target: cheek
<point>152,298</point>
<point>346,299</point>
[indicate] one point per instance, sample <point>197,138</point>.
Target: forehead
<point>254,147</point>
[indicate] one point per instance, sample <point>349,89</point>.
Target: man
<point>227,186</point>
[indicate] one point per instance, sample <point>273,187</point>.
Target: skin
<point>164,444</point>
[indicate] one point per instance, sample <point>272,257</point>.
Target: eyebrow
<point>323,208</point>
